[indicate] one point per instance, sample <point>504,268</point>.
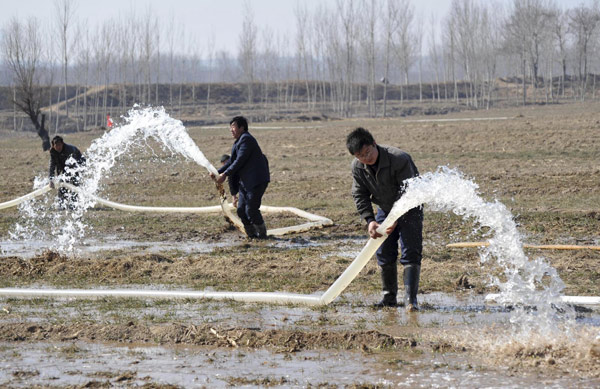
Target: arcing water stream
<point>526,284</point>
<point>532,287</point>
<point>139,126</point>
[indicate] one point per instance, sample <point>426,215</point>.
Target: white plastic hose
<point>259,297</point>
<point>315,221</point>
<point>352,270</point>
<point>280,298</point>
<point>264,297</point>
<point>19,200</point>
<point>226,208</point>
<point>277,298</point>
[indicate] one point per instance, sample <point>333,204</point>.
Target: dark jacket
<point>248,166</point>
<point>58,161</point>
<point>386,186</point>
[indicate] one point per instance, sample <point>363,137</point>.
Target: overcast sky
<point>201,17</point>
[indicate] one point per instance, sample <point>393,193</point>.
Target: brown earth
<point>543,162</point>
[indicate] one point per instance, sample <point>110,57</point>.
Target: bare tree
<point>102,52</point>
<point>488,45</point>
<point>391,23</point>
<point>172,36</point>
<point>527,27</point>
<point>347,12</point>
<point>280,70</point>
<point>149,45</point>
<point>318,49</point>
<point>195,62</point>
<point>124,46</point>
<point>560,27</point>
<point>302,46</point>
<point>334,53</point>
<point>247,48</point>
<point>77,71</point>
<point>584,22</point>
<point>48,75</point>
<point>83,65</point>
<point>224,63</point>
<point>370,11</point>
<point>434,57</point>
<point>157,34</point>
<point>404,41</point>
<point>210,49</point>
<point>327,44</point>
<point>450,54</point>
<point>419,54</point>
<point>65,10</point>
<point>268,65</point>
<point>465,24</point>
<point>21,46</point>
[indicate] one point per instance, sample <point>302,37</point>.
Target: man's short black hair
<point>224,157</point>
<point>241,122</point>
<point>357,139</point>
<point>57,139</point>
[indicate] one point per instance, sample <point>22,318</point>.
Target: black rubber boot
<point>389,281</point>
<point>411,286</point>
<point>250,230</point>
<point>261,231</point>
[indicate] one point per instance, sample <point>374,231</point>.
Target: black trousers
<point>409,232</point>
<point>249,204</point>
<point>66,197</point>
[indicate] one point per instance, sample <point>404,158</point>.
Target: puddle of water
<point>94,246</point>
<point>351,313</point>
<point>60,364</point>
<point>78,363</point>
<point>28,249</point>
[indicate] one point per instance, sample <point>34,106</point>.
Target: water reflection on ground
<point>78,363</point>
<point>91,247</point>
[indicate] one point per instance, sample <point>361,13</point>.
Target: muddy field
<point>542,162</point>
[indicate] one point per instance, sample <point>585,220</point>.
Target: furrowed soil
<point>542,162</point>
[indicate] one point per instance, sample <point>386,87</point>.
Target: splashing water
<point>140,125</point>
<point>528,284</point>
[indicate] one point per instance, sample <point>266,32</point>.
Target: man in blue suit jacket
<point>248,172</point>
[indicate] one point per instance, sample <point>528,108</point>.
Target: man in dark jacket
<point>64,160</point>
<point>378,177</point>
<point>248,172</point>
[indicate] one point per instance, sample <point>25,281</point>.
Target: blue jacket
<point>248,166</point>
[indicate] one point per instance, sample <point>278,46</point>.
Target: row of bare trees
<point>341,59</point>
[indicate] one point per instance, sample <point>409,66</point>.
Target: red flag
<point>109,122</point>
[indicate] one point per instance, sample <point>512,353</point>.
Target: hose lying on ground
<point>29,196</point>
<point>315,221</point>
<point>279,298</point>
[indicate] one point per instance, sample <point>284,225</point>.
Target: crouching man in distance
<point>65,159</point>
<point>248,173</point>
<point>378,173</point>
